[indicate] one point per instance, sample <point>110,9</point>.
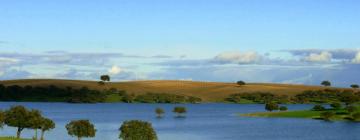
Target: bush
<point>81,128</point>
<point>327,115</point>
<point>356,116</point>
<point>271,106</point>
<point>336,106</point>
<point>179,110</point>
<point>137,130</point>
<point>240,83</point>
<point>351,109</point>
<point>318,108</point>
<point>159,112</point>
<point>283,108</point>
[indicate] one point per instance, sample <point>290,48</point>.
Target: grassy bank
<point>11,138</point>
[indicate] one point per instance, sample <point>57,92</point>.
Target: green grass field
<point>11,138</point>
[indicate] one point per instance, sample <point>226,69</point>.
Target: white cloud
<point>7,61</point>
<point>319,57</point>
<point>115,70</point>
<point>238,57</point>
<point>356,60</point>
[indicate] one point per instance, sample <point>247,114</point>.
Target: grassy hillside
<point>208,91</point>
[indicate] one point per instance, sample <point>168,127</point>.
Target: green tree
<point>327,115</point>
<point>318,108</point>
<point>179,110</point>
<point>240,83</point>
<point>81,128</point>
<point>159,112</point>
<point>271,106</point>
<point>17,116</point>
<point>350,109</point>
<point>283,108</point>
<point>2,118</point>
<point>336,105</point>
<point>137,130</point>
<point>46,125</point>
<point>356,116</point>
<point>35,120</point>
<point>105,78</point>
<point>354,86</point>
<point>326,83</point>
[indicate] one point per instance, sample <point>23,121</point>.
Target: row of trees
<point>328,83</point>
<point>328,114</point>
<point>22,118</point>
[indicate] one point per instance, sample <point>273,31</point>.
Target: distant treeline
<point>85,95</point>
<point>309,96</point>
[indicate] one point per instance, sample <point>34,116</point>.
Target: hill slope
<point>208,91</point>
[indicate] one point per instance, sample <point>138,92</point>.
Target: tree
<point>336,105</point>
<point>354,86</point>
<point>326,83</point>
<point>137,130</point>
<point>240,83</point>
<point>350,109</point>
<point>46,125</point>
<point>17,116</point>
<point>2,118</point>
<point>35,121</point>
<point>81,128</point>
<point>327,115</point>
<point>283,108</point>
<point>318,108</point>
<point>159,112</point>
<point>356,116</point>
<point>105,78</point>
<point>179,110</point>
<point>271,106</point>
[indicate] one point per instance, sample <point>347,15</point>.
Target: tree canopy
<point>137,130</point>
<point>271,106</point>
<point>81,128</point>
<point>326,83</point>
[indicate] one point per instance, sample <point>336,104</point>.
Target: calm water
<point>203,122</point>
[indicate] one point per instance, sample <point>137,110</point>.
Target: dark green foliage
<point>283,108</point>
<point>240,83</point>
<point>46,125</point>
<point>336,105</point>
<point>35,121</point>
<point>165,98</point>
<point>356,116</point>
<point>137,130</point>
<point>327,96</point>
<point>179,110</point>
<point>258,97</point>
<point>2,118</point>
<point>318,108</point>
<point>105,78</point>
<point>354,86</point>
<point>81,129</point>
<point>351,109</point>
<point>327,115</point>
<point>326,83</point>
<point>271,106</point>
<point>50,93</point>
<point>18,116</point>
<point>159,112</point>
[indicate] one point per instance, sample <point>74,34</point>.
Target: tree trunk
<point>42,135</point>
<point>36,134</point>
<point>79,138</point>
<point>18,133</point>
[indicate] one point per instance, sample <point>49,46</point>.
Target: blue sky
<point>297,41</point>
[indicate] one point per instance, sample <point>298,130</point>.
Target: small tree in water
<point>271,106</point>
<point>159,112</point>
<point>179,110</point>
<point>81,128</point>
<point>327,115</point>
<point>137,130</point>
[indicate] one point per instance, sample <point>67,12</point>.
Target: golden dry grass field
<point>208,91</point>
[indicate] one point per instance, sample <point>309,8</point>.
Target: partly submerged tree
<point>326,83</point>
<point>46,125</point>
<point>137,130</point>
<point>327,115</point>
<point>159,112</point>
<point>17,116</point>
<point>81,128</point>
<point>336,105</point>
<point>271,106</point>
<point>283,108</point>
<point>318,107</point>
<point>179,110</point>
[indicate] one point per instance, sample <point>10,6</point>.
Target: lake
<point>202,122</point>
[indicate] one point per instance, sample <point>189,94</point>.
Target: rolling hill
<point>207,91</point>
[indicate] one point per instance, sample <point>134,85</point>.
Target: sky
<point>282,41</point>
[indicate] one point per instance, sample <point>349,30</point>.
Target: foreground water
<point>203,122</point>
